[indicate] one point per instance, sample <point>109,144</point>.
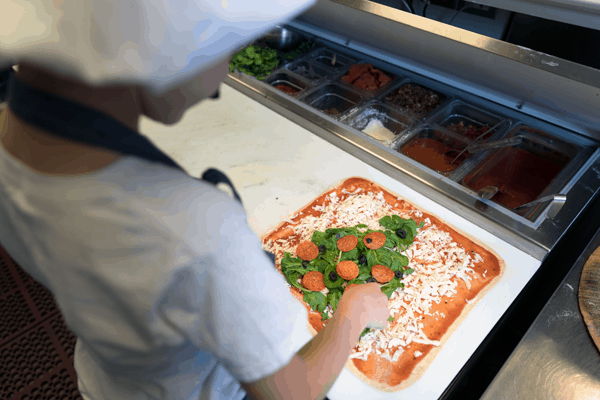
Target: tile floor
<point>36,347</point>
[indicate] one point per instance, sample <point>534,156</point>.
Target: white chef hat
<point>156,44</point>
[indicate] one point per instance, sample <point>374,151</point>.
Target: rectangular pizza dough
<point>453,271</point>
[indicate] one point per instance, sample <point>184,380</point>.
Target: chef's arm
<point>313,370</point>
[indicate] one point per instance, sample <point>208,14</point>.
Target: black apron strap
<point>73,121</point>
<point>215,177</point>
<point>70,120</point>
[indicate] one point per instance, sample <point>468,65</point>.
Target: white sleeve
<point>236,303</point>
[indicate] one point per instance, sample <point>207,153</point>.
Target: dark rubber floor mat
<point>36,347</point>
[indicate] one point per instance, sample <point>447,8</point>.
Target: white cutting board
<point>278,167</point>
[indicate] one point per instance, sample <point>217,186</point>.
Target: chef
<point>156,272</point>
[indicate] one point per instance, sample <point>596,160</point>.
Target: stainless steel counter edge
<point>556,358</point>
<point>438,189</point>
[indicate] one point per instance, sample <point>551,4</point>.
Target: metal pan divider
<point>331,89</point>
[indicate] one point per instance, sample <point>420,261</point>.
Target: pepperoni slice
<point>307,250</point>
<point>347,270</point>
<point>374,240</point>
<point>382,273</point>
<point>314,280</point>
<point>347,243</point>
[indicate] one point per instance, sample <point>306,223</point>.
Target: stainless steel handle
<point>558,200</point>
<point>479,137</point>
<point>513,141</point>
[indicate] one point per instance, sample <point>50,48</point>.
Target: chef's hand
<point>366,305</point>
<point>313,370</point>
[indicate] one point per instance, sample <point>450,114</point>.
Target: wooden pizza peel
<point>589,296</point>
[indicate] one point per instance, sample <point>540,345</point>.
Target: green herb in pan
<point>298,51</point>
<point>256,61</point>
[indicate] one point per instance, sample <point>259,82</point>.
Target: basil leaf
<point>350,255</point>
<point>392,240</point>
<point>333,232</point>
<point>300,270</point>
<point>394,223</point>
<point>289,262</point>
<point>387,222</point>
<point>398,261</point>
<point>384,256</point>
<point>320,265</point>
<point>330,257</point>
<point>292,277</point>
<point>357,281</point>
<point>324,316</point>
<point>333,297</point>
<point>328,241</point>
<point>390,319</point>
<point>391,286</point>
<point>362,249</point>
<point>328,282</point>
<point>318,237</point>
<point>316,300</point>
<point>372,258</point>
<point>364,273</point>
<point>410,237</point>
<point>303,48</point>
<point>364,332</point>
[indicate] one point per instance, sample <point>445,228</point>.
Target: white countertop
<point>278,167</point>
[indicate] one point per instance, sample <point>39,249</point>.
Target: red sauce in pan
<point>432,153</point>
<point>287,89</point>
<point>520,177</point>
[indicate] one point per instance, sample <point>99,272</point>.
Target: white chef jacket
<point>158,275</point>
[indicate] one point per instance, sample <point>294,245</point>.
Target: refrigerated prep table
<point>470,83</point>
